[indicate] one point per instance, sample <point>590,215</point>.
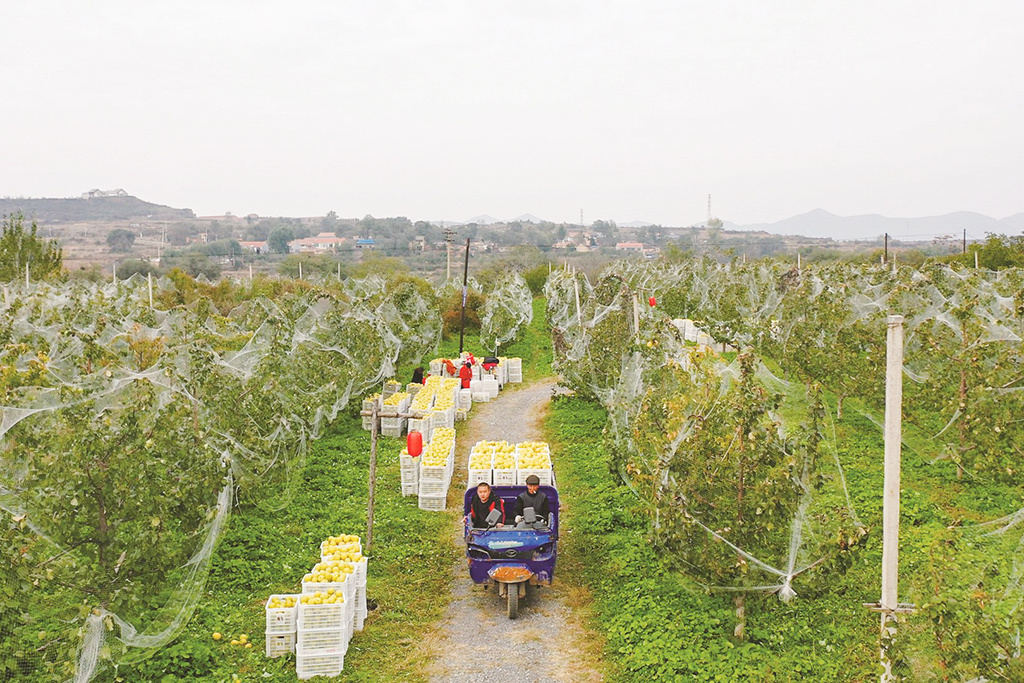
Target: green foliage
<point>17,556</point>
<point>660,626</point>
<point>20,247</point>
<point>312,264</point>
<point>120,240</point>
<point>536,278</point>
<point>372,264</point>
<point>279,238</point>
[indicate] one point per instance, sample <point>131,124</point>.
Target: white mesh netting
<point>128,428</point>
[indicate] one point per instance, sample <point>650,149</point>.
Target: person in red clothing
<point>481,505</point>
<point>466,374</point>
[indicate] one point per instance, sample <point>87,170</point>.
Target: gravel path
<point>479,643</point>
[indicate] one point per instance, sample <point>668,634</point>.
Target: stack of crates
<point>368,404</point>
<point>390,422</point>
<point>436,466</point>
<point>515,370</point>
<point>410,469</point>
<point>281,611</point>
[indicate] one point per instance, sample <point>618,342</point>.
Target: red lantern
<point>414,443</point>
<point>653,302</point>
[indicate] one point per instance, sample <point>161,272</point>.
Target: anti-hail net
<point>738,459</point>
<point>133,413</point>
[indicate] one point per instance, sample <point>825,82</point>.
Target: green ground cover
<point>268,552</point>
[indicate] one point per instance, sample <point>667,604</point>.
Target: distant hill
<point>482,219</point>
<point>821,223</point>
<point>70,210</point>
<point>527,218</point>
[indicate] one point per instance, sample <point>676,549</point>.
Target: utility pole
<point>448,234</point>
<point>465,284</point>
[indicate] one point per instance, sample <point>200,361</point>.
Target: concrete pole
<point>576,289</point>
<point>891,487</point>
<point>300,270</point>
<point>975,260</point>
<point>113,270</point>
<point>149,278</point>
<point>26,276</point>
<point>250,272</point>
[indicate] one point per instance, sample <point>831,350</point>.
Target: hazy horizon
<point>630,112</point>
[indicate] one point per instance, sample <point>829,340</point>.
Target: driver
<point>532,497</point>
<point>482,503</point>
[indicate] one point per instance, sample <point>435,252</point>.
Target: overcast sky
<point>448,109</point>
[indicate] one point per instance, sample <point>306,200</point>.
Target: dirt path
<point>479,643</point>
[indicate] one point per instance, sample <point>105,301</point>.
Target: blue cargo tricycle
<point>515,555</point>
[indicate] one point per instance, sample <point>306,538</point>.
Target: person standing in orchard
<point>466,374</point>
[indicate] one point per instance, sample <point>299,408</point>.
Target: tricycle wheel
<point>513,601</point>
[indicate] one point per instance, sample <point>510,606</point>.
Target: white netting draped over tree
<point>128,427</point>
<point>740,468</point>
<point>508,309</point>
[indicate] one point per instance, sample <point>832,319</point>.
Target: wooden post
<point>372,487</point>
<point>891,488</point>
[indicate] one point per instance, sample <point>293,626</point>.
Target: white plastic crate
<point>504,477</point>
<point>281,619</point>
<point>423,425</point>
<point>367,422</point>
<point>408,462</point>
<point>489,385</point>
<point>465,398</point>
<point>434,504</point>
<point>482,396</point>
<point>475,477</point>
<point>412,489</point>
<point>346,587</point>
<point>410,476</point>
<point>360,573</point>
<point>435,367</point>
<point>545,476</point>
<point>280,644</point>
<point>319,665</point>
<point>322,641</point>
<point>357,624</point>
<point>461,415</point>
<point>321,616</point>
<point>433,472</point>
<point>431,488</point>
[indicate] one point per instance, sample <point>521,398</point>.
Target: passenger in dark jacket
<point>482,503</point>
<point>533,497</point>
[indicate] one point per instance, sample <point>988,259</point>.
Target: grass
<point>264,553</point>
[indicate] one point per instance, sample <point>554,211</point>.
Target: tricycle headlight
<point>477,553</point>
<point>542,553</point>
